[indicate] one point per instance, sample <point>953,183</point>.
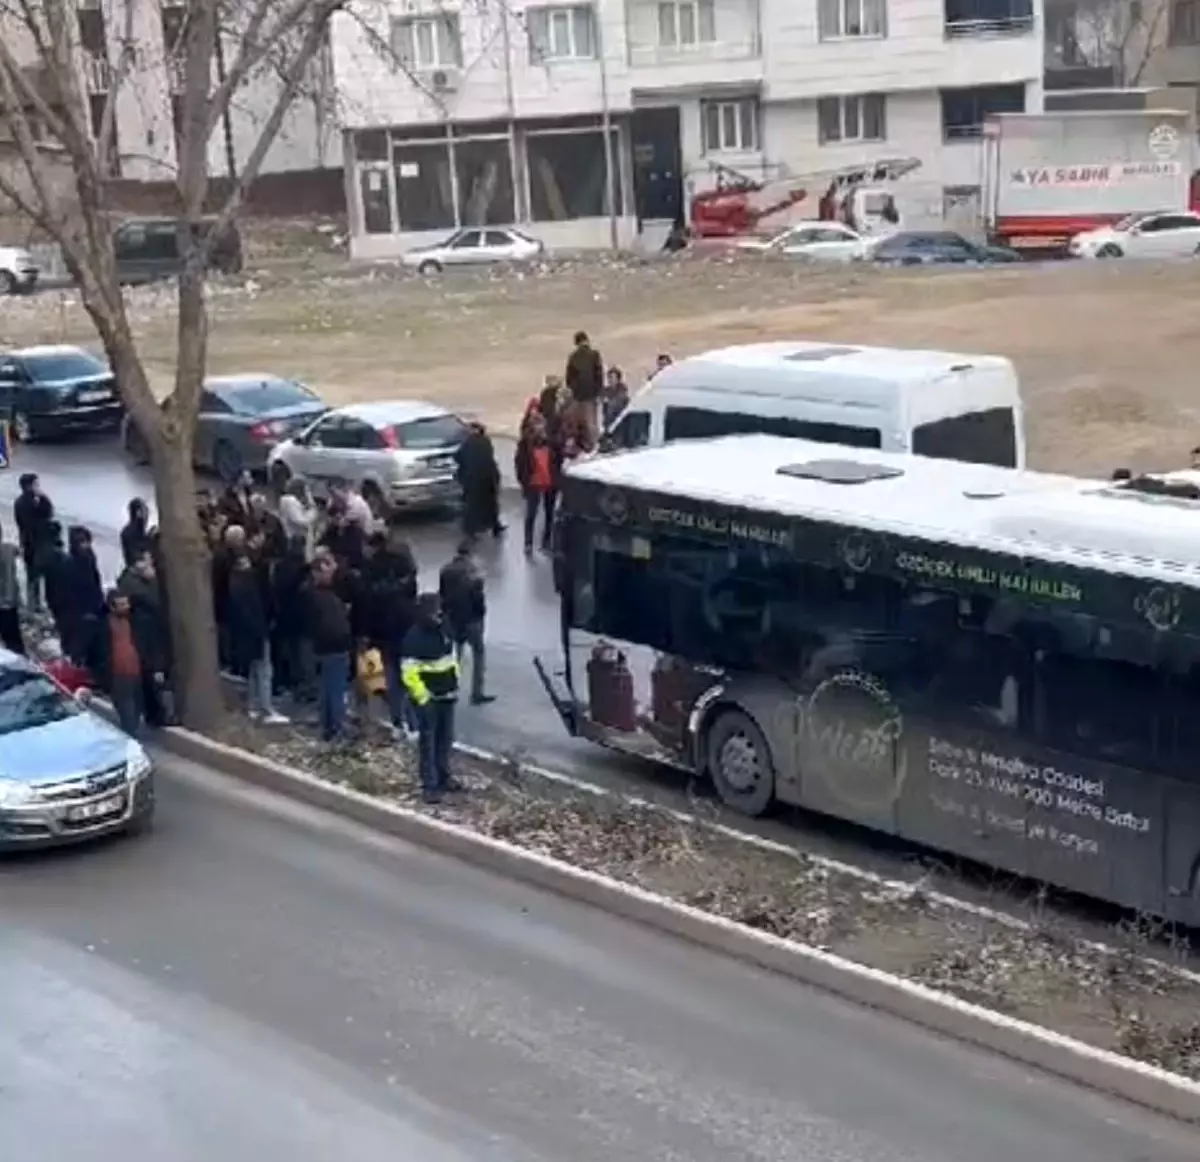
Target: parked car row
<point>837,242</point>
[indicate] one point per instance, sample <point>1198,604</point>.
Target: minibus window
<point>632,430</point>
<point>987,437</point>
<point>685,423</point>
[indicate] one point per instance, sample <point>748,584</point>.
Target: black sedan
<point>936,248</point>
<point>54,391</point>
<point>241,418</point>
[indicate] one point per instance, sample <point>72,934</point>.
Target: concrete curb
<point>1029,1044</point>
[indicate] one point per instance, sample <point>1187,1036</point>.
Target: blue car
<point>66,774</point>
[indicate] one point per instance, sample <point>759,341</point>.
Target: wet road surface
<point>258,982</point>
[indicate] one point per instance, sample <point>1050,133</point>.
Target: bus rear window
<point>684,423</point>
<point>988,437</point>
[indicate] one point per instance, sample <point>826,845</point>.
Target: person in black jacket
<point>388,594</point>
<point>585,382</point>
<point>82,595</point>
<point>250,635</point>
<point>139,583</point>
<point>479,477</point>
<point>33,513</point>
<point>343,537</point>
<point>463,604</point>
<point>135,536</point>
<point>290,655</point>
<point>430,671</point>
<point>327,623</point>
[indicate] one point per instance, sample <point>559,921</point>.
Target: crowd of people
<point>315,603</point>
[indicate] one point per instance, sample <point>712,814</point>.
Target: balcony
<point>97,74</point>
<point>970,19</point>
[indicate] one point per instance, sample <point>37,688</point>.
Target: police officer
<point>429,671</point>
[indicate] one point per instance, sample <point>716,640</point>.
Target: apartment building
<point>147,103</point>
<point>582,120</point>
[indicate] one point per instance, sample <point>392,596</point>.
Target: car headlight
<point>15,794</point>
<point>137,762</point>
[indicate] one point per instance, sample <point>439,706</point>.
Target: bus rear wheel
<point>739,763</point>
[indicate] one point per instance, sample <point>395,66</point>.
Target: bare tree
<point>43,103</point>
<point>1119,35</point>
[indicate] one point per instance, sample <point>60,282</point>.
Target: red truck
<point>1050,176</point>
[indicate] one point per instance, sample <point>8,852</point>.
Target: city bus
<point>999,664</point>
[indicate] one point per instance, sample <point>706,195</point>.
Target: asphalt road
<point>258,982</point>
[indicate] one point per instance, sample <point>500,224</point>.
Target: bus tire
<point>739,763</point>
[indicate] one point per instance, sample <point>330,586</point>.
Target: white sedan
<point>474,246</point>
<point>822,241</point>
<point>1175,235</point>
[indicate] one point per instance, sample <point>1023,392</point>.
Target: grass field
<point>1108,352</point>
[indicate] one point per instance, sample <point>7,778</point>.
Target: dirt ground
<point>1107,352</point>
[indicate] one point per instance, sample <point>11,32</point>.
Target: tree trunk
<point>188,585</point>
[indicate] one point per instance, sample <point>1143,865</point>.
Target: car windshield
<point>434,432</point>
<point>59,365</point>
<point>1129,222</point>
<point>29,700</point>
<point>255,399</point>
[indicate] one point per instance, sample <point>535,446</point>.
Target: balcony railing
<point>714,52</point>
<point>97,74</point>
<point>1001,26</point>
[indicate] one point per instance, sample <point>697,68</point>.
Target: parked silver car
<point>403,448</point>
<point>473,247</point>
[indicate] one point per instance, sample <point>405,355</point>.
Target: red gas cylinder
<point>611,699</point>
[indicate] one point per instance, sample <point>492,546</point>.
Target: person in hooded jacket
<point>83,595</point>
<point>34,514</point>
<point>462,600</point>
<point>250,637</point>
<point>53,567</point>
<point>139,583</point>
<point>479,477</point>
<point>291,657</point>
<point>135,536</point>
<point>388,595</point>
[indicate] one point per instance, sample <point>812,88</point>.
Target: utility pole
<point>614,236</point>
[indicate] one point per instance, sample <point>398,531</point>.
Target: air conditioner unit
<point>444,80</point>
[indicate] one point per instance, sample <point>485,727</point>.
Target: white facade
<point>145,124</point>
<point>770,88</point>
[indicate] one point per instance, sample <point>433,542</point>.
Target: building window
<point>730,126</point>
<point>428,42</point>
<point>988,17</point>
<point>684,23</point>
<point>964,111</point>
<point>842,18</point>
<point>561,34</point>
<point>1185,22</point>
<point>859,118</point>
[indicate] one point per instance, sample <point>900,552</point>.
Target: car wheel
<point>141,824</point>
<point>430,266</point>
<point>227,462</point>
<point>23,430</point>
<point>739,763</point>
<point>1109,250</point>
<point>8,283</point>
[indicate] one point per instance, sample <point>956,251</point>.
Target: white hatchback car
<point>474,247</point>
<point>1162,235</point>
<point>403,449</point>
<point>18,271</point>
<point>821,241</point>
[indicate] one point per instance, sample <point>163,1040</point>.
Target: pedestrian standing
<point>616,397</point>
<point>119,667</point>
<point>10,598</point>
<point>538,467</point>
<point>135,536</point>
<point>298,514</point>
<point>84,595</point>
<point>389,596</point>
<point>479,477</point>
<point>250,635</point>
<point>139,584</point>
<point>430,671</point>
<point>585,382</point>
<point>463,603</point>
<point>34,514</point>
<point>329,631</point>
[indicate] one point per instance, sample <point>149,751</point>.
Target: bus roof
<point>801,361</point>
<point>1088,523</point>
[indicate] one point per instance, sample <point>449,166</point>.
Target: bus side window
<point>632,430</point>
<point>687,423</point>
<point>988,437</point>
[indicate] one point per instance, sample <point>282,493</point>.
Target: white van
<point>933,403</point>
